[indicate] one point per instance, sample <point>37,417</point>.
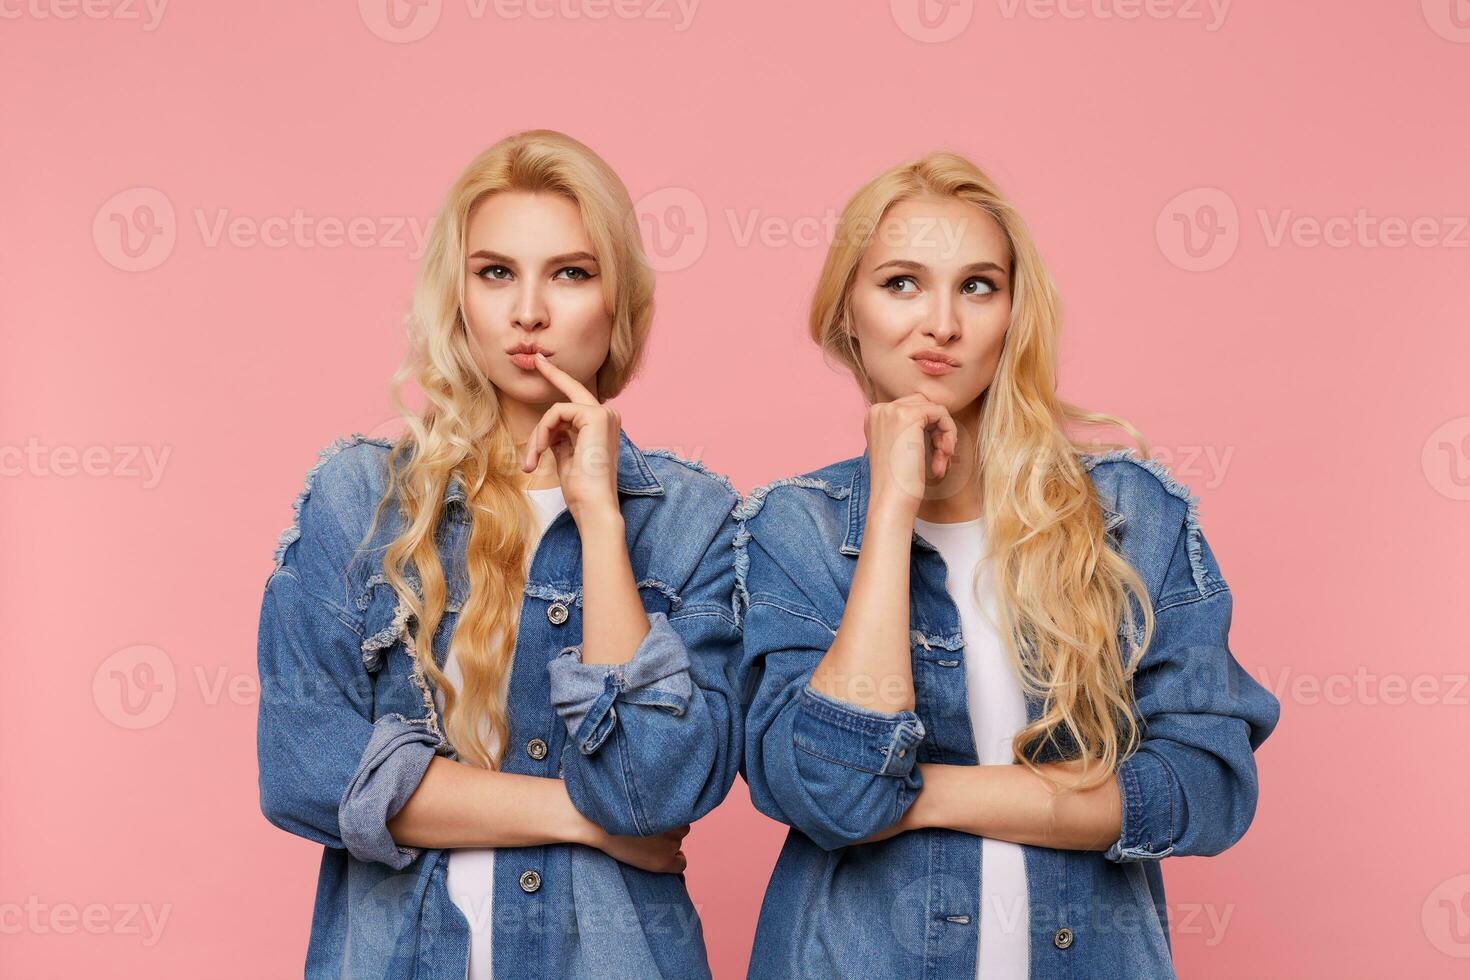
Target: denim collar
<point>857,508</point>
<point>634,475</point>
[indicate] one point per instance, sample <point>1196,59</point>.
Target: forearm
<point>869,662</point>
<point>459,805</point>
<point>1013,804</point>
<point>614,619</point>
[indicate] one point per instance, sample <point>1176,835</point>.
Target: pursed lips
<point>934,364</point>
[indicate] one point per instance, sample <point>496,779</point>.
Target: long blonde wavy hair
<point>1062,590</point>
<point>460,430</point>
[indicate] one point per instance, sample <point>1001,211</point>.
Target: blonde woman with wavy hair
<point>991,685</point>
<point>497,653</point>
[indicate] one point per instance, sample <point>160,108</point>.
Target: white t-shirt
<point>471,879</point>
<point>997,712</point>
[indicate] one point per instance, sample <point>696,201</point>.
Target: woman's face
<point>532,283</point>
<point>931,301</point>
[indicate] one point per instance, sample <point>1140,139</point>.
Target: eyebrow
<point>554,260</point>
<point>921,267</point>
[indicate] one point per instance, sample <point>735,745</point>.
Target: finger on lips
<point>564,382</point>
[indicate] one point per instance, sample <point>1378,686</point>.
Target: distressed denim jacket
<point>836,772</point>
<point>348,726</point>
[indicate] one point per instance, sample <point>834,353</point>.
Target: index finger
<point>565,383</point>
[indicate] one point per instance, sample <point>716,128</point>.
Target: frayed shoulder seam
<point>694,465</point>
<point>1193,544</point>
<point>324,455</point>
<point>756,499</point>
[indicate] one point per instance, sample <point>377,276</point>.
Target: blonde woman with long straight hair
<point>990,681</point>
<point>497,653</point>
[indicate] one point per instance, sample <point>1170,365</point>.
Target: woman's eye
<point>893,284</point>
<point>495,272</point>
<point>577,274</point>
<point>977,281</point>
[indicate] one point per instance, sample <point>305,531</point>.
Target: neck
<point>520,420</point>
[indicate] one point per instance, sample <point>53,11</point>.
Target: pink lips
<point>933,366</point>
<point>523,356</point>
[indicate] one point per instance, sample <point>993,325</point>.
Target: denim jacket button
<point>536,749</point>
<point>1063,938</point>
<point>530,881</point>
<point>557,613</point>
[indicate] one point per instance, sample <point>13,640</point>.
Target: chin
<point>530,390</point>
<point>941,391</point>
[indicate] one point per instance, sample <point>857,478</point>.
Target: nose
<point>943,322</point>
<point>530,309</point>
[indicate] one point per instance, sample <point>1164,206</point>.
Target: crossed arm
<point>870,664</point>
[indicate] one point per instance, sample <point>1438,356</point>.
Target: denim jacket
<point>348,726</point>
<point>836,772</point>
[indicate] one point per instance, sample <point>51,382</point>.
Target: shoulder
<point>1131,484</point>
<point>1156,517</point>
<point>810,496</point>
<point>694,515</point>
<point>694,496</point>
<point>337,498</point>
<point>688,475</point>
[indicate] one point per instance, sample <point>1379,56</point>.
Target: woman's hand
<point>661,852</point>
<point>908,438</point>
<point>583,436</point>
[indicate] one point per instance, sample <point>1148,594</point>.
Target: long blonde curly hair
<point>1062,590</point>
<point>460,432</point>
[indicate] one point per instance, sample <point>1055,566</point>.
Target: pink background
<point>1310,387</point>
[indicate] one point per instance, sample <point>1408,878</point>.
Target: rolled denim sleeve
<point>850,735</point>
<point>1191,786</point>
<point>328,772</point>
<point>392,766</point>
<point>835,771</point>
<point>655,741</point>
<point>586,695</point>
